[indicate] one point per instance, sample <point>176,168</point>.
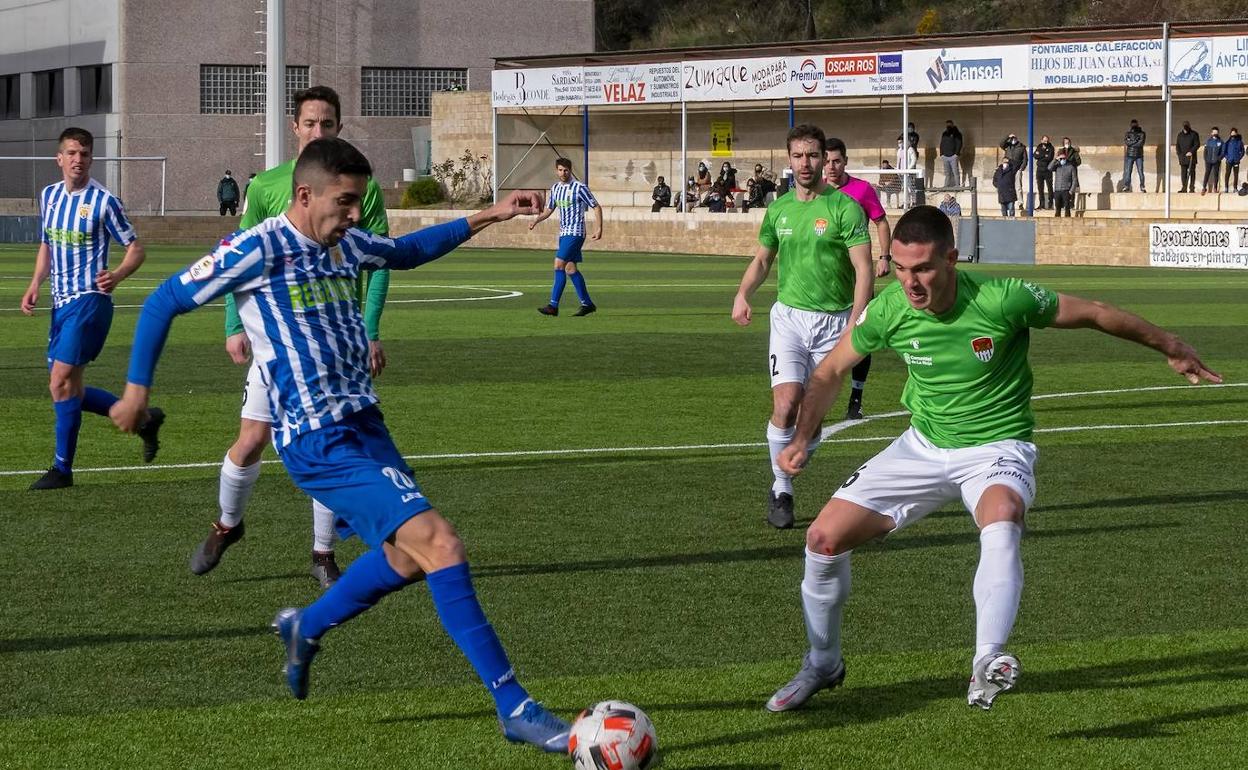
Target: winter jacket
<point>1043,154</point>
<point>1134,142</point>
<point>1016,153</point>
<point>1065,177</point>
<point>227,190</point>
<point>662,194</point>
<point>1215,150</point>
<point>1187,141</point>
<point>951,142</point>
<point>1003,180</point>
<point>1234,149</point>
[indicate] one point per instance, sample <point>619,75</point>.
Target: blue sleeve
<point>414,249</point>
<point>153,328</point>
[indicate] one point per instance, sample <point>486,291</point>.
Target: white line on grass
<point>827,433</point>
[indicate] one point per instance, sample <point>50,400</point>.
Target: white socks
<point>235,490</point>
<point>998,586</point>
<point>323,533</point>
<point>777,440</point>
<point>824,591</point>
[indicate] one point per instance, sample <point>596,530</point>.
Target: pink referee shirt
<point>862,191</point>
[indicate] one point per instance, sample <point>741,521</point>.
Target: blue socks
<point>68,421</point>
<point>463,618</point>
<point>97,401</point>
<point>582,293</point>
<point>556,291</point>
<point>366,582</point>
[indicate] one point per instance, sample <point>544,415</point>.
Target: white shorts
<point>256,396</point>
<point>799,341</point>
<point>913,477</point>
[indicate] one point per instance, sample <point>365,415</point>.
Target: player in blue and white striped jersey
<point>79,217</point>
<point>293,277</point>
<point>572,198</point>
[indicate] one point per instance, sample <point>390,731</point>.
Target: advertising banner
<point>632,84</point>
<point>1198,246</point>
<point>858,74</point>
<point>966,70</point>
<point>1107,63</point>
<point>721,80</point>
<point>1208,60</point>
<point>538,87</point>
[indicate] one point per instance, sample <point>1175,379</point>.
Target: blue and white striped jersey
<point>572,200</point>
<point>77,227</point>
<point>299,305</point>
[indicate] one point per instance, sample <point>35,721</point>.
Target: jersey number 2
<point>774,371</point>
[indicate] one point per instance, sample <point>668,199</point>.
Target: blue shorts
<point>353,468</point>
<point>79,329</point>
<point>570,248</point>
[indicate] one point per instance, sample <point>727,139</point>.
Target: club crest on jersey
<point>821,227</point>
<point>336,257</point>
<point>983,348</point>
<point>84,211</point>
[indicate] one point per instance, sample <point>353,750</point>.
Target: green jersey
<point>970,383</point>
<point>269,196</point>
<point>812,240</point>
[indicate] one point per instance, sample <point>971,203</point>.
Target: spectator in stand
<point>758,187</point>
<point>950,150</point>
<point>727,178</point>
<point>949,206</point>
<point>1044,155</point>
<point>227,194</point>
<point>907,158</point>
<point>1234,149</point>
<point>1074,159</point>
<point>715,202</point>
<point>1132,155</point>
<point>691,195</point>
<point>1003,180</point>
<point>661,195</point>
<point>913,135</point>
<point>1016,153</point>
<point>704,180</point>
<point>1065,182</point>
<point>1215,150</point>
<point>1187,144</point>
<point>890,185</point>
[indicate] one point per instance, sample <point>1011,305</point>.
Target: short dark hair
<point>836,145</point>
<point>563,163</point>
<point>660,180</point>
<point>806,131</point>
<point>925,224</point>
<point>319,94</point>
<point>1215,128</point>
<point>334,157</point>
<point>80,135</point>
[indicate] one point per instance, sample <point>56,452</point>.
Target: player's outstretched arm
<point>821,393</point>
<point>1077,313</point>
<point>517,203</point>
<point>43,268</point>
<point>755,274</point>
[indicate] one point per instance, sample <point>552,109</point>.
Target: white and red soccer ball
<point>613,735</point>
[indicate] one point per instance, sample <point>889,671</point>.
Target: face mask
<point>1062,162</point>
<point>1065,144</point>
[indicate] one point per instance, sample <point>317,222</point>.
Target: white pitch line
<point>827,432</point>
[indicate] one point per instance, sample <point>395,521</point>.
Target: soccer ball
<point>613,735</point>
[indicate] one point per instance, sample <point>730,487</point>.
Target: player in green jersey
<point>964,340</point>
<point>318,114</point>
<point>817,238</point>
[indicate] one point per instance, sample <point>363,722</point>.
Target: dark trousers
<point>1214,170</point>
<point>1062,200</point>
<point>1187,176</point>
<point>1229,168</point>
<point>658,205</point>
<point>231,205</point>
<point>1043,181</point>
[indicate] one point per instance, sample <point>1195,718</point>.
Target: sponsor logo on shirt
<point>983,348</point>
<point>67,237</point>
<point>202,270</point>
<point>914,344</point>
<point>913,360</point>
<point>1042,296</point>
<point>821,227</point>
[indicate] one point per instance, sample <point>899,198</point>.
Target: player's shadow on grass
<point>792,550</point>
<point>1186,500</point>
<point>59,643</point>
<point>860,705</point>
